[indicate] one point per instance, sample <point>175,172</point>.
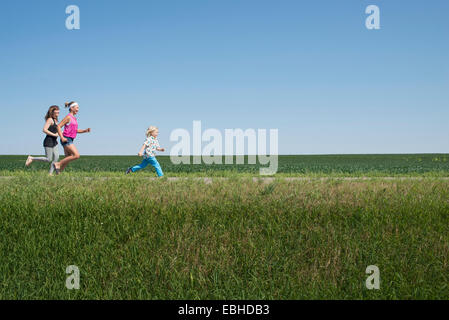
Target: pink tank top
<point>71,129</point>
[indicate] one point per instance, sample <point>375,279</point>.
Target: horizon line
<point>234,155</point>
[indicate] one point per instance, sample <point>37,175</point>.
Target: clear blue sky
<point>308,68</point>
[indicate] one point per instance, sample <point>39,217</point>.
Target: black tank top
<point>49,141</point>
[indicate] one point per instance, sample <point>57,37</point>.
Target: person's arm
<point>60,125</point>
<point>46,131</point>
<point>158,147</point>
<point>141,150</point>
<point>63,139</point>
<point>84,131</point>
<point>64,122</point>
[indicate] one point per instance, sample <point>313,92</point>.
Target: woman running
<point>52,131</point>
<point>71,130</point>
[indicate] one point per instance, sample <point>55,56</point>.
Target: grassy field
<point>136,238</point>
<point>327,165</point>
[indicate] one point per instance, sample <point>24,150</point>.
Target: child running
<point>148,149</point>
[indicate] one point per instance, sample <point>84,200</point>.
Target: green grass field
<point>139,238</point>
<point>327,165</point>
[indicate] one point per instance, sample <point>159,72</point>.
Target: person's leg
<point>40,159</point>
<point>140,166</point>
<point>67,153</point>
<point>156,165</point>
<point>54,158</point>
<point>47,158</point>
<point>71,155</point>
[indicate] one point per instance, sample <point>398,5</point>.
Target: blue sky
<point>310,69</point>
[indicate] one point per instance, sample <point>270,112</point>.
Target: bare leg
<point>71,154</point>
<point>67,153</point>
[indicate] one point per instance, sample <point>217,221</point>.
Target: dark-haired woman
<point>52,131</point>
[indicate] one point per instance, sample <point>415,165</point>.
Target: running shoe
<point>58,171</point>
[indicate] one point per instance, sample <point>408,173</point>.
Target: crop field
<point>235,238</point>
<point>307,165</point>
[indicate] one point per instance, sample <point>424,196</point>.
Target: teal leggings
<point>145,162</point>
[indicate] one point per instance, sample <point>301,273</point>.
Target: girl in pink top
<point>71,128</point>
<point>70,125</point>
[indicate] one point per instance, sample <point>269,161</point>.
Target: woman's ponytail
<point>70,105</point>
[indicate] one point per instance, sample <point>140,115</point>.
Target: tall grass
<point>230,239</point>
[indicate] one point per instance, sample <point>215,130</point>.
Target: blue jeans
<point>69,141</point>
<point>145,162</point>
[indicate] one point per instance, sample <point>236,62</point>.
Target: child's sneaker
<point>128,171</point>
